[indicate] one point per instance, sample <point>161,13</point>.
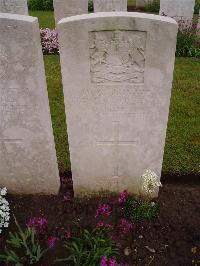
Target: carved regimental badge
<point>117,56</point>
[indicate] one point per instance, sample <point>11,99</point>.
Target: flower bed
<point>67,228</point>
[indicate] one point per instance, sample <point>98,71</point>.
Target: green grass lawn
<point>46,18</point>
<point>182,151</point>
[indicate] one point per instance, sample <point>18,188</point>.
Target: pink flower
<point>67,234</point>
<point>31,222</point>
<point>112,262</point>
<point>103,209</point>
<point>39,224</point>
<point>101,224</point>
<point>125,226</point>
<point>122,197</point>
<point>104,261</point>
<point>52,241</point>
<point>108,261</point>
<point>42,222</point>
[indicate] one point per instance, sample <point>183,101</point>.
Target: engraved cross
<point>116,143</point>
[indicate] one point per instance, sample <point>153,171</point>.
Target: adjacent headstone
<point>27,150</point>
<point>111,5</point>
<point>117,87</point>
<point>68,8</point>
<point>178,9</point>
<point>143,3</point>
<point>14,7</point>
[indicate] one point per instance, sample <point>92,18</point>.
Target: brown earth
<point>167,240</point>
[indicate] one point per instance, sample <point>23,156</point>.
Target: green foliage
<point>90,6</point>
<point>88,249</point>
<point>40,5</point>
<point>136,209</point>
<point>188,42</point>
<point>23,248</point>
<point>153,6</point>
<point>197,7</point>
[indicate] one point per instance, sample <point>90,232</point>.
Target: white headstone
<point>27,150</point>
<point>117,87</point>
<point>177,8</point>
<point>143,3</point>
<point>68,8</point>
<point>111,5</point>
<point>14,7</point>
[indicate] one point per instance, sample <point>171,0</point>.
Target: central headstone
<point>14,6</point>
<point>68,8</point>
<point>27,150</point>
<point>111,5</point>
<point>117,87</point>
<point>178,9</point>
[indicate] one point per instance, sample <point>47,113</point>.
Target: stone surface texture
<point>111,5</point>
<point>142,3</point>
<point>177,8</point>
<point>27,150</point>
<point>117,88</point>
<point>14,6</point>
<point>68,8</point>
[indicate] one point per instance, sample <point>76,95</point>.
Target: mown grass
<point>182,150</point>
<point>56,101</point>
<point>46,18</point>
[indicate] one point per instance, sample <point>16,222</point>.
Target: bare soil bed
<point>167,240</point>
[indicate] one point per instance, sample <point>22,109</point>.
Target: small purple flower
<point>122,197</point>
<point>104,261</point>
<point>101,224</point>
<point>125,226</point>
<point>112,262</point>
<point>42,223</point>
<point>52,241</point>
<point>108,261</point>
<point>39,224</point>
<point>67,234</point>
<point>31,222</point>
<point>49,40</point>
<point>103,209</point>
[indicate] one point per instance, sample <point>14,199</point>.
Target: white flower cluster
<point>4,210</point>
<point>150,182</point>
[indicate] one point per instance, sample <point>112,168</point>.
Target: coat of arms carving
<point>117,56</point>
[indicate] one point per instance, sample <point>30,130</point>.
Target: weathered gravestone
<point>117,87</point>
<point>111,5</point>
<point>178,9</point>
<point>143,3</point>
<point>27,151</point>
<point>68,8</point>
<point>14,6</point>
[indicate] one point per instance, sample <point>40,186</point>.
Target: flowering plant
<point>150,182</point>
<point>49,40</point>
<point>103,210</point>
<point>4,210</point>
<point>25,241</point>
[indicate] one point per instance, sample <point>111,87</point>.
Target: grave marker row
<point>117,86</point>
<point>14,7</point>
